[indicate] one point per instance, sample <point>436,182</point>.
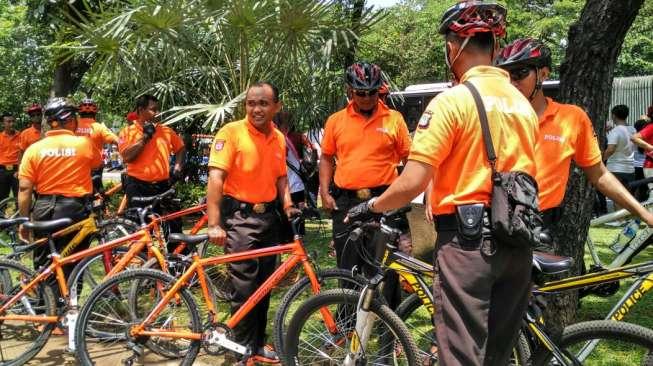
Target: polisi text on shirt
<point>59,152</point>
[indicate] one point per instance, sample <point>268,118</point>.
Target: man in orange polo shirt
<point>566,133</point>
<point>145,146</point>
<point>247,173</point>
<point>483,284</point>
<point>367,140</point>
<point>9,157</point>
<point>58,169</point>
<point>31,134</point>
<point>98,133</point>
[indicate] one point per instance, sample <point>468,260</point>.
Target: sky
<point>382,3</point>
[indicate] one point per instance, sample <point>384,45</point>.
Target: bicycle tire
<point>115,228</point>
<point>107,291</point>
<point>396,335</point>
<point>621,332</point>
<point>43,301</point>
<point>303,286</point>
<point>6,211</point>
<point>423,333</point>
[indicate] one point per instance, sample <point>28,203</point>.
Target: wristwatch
<point>370,203</point>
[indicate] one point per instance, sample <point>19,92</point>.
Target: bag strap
<point>485,127</point>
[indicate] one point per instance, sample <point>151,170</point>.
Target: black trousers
<point>137,188</point>
<point>480,299</point>
<point>248,231</point>
<point>8,183</point>
<point>348,253</point>
<point>52,208</point>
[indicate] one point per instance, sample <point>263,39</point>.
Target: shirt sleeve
<point>403,138</point>
<point>283,168</point>
<point>223,150</point>
<point>108,137</point>
<point>587,152</point>
<point>328,139</point>
<point>175,141</point>
<point>647,133</point>
<point>27,170</point>
<point>127,137</point>
<point>94,154</point>
<point>613,137</point>
<point>435,132</point>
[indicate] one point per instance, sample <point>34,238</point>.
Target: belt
<point>138,181</point>
<point>449,222</point>
<point>57,197</point>
<point>232,205</point>
<point>362,193</point>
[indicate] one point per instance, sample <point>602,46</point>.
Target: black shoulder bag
<point>515,217</point>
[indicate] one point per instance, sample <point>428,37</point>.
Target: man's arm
<point>133,151</point>
<point>283,192</point>
<point>412,181</point>
<point>25,188</point>
<point>180,157</point>
<point>216,233</point>
<point>327,163</point>
<point>609,151</point>
<point>610,186</point>
<point>639,141</point>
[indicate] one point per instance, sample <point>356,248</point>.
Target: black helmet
<point>524,52</point>
<point>364,76</point>
<point>59,109</point>
<point>474,16</point>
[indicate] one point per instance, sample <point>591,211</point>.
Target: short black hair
<point>483,41</point>
<point>620,111</point>
<point>640,124</point>
<point>275,90</point>
<point>6,114</point>
<point>144,100</point>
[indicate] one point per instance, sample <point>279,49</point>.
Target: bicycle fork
<point>364,323</point>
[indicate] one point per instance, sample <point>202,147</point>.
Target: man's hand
<point>291,212</point>
<point>328,202</point>
<point>148,131</point>
<point>23,233</point>
<point>648,219</point>
<point>361,210</point>
<point>217,235</point>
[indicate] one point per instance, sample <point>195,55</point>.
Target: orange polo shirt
<point>449,138</point>
<point>253,160</point>
<point>566,132</point>
<point>367,150</point>
<point>28,136</point>
<point>152,165</point>
<point>60,164</point>
<point>9,149</point>
<point>97,132</point>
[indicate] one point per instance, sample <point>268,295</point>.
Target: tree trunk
<point>67,77</point>
<point>594,43</point>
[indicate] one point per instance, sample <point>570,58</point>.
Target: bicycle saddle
<point>7,223</point>
<point>188,239</point>
<point>551,264</point>
<point>48,226</point>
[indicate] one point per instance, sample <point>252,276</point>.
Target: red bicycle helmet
<point>34,109</point>
<point>364,76</point>
<point>474,16</point>
<point>88,105</point>
<point>524,52</point>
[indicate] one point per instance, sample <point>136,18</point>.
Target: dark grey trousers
<point>248,232</point>
<point>480,299</point>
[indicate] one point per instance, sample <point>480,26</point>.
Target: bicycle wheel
<point>110,310</point>
<point>310,342</point>
<point>8,208</point>
<point>116,228</point>
<point>418,320</point>
<point>21,340</point>
<point>602,343</point>
<point>301,291</point>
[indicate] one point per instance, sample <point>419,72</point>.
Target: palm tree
<point>199,56</point>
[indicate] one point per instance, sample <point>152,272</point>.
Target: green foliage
<point>189,193</point>
<point>24,67</point>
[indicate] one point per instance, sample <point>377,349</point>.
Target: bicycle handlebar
<point>153,199</point>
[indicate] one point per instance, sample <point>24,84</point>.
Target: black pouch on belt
<point>470,220</point>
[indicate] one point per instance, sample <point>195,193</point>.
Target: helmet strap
<point>538,84</point>
<point>455,58</point>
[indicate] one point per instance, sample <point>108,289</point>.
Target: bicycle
<point>27,298</point>
<point>8,208</point>
<point>163,308</point>
<point>417,310</point>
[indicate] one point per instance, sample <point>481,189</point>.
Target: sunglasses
<point>519,73</point>
<point>365,93</point>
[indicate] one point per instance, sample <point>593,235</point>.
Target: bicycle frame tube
<point>611,275</point>
<point>631,297</point>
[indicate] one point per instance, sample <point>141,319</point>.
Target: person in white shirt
<point>620,152</point>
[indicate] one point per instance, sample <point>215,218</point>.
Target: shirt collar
<point>484,71</point>
<point>8,135</point>
<point>59,132</point>
<point>380,111</point>
<point>253,130</point>
<point>550,111</point>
